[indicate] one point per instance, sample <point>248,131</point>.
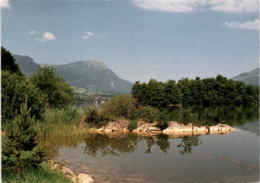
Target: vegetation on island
<point>208,91</point>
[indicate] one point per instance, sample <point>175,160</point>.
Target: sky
<point>137,39</point>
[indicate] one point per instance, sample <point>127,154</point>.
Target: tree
<point>14,91</point>
<point>20,143</point>
<point>57,93</point>
<point>8,62</point>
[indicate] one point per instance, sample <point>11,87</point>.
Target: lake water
<point>127,158</point>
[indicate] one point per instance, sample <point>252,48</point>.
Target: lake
<point>128,158</point>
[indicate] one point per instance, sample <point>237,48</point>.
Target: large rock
<point>66,171</point>
<point>113,126</point>
<point>84,178</point>
<point>147,128</point>
<point>220,129</point>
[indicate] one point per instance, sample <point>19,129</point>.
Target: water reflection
<point>187,143</point>
<point>101,144</point>
<point>244,118</point>
<point>199,115</point>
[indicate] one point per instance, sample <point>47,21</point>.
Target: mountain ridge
<point>251,77</point>
<point>92,75</point>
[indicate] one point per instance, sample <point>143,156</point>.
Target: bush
<point>57,93</point>
<point>95,117</point>
<point>19,143</point>
<point>148,114</point>
<point>132,125</point>
<point>163,119</point>
<point>123,106</point>
<point>14,91</point>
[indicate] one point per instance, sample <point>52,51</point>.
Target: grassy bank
<point>62,122</point>
<point>43,174</point>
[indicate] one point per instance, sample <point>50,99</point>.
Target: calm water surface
<point>126,158</point>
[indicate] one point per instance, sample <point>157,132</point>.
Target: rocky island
<point>174,128</point>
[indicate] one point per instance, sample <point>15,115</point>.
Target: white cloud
<point>4,4</point>
<point>32,32</point>
<point>250,25</point>
<point>234,6</point>
<point>88,35</point>
<point>47,36</point>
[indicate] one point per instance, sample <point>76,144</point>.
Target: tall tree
<point>56,92</point>
<point>8,62</point>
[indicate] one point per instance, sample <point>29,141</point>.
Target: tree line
<point>208,91</point>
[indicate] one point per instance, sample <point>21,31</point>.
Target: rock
<point>147,128</point>
<point>84,178</point>
<point>200,129</point>
<point>56,166</point>
<point>67,171</point>
<point>108,130</point>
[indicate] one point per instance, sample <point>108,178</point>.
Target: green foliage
<point>209,91</point>
<point>14,91</point>
<point>57,93</point>
<point>19,143</point>
<point>94,117</point>
<point>42,174</point>
<point>123,106</point>
<point>148,114</point>
<point>157,94</point>
<point>132,125</point>
<point>8,62</point>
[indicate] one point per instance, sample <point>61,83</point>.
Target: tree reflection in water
<point>109,145</point>
<point>187,143</point>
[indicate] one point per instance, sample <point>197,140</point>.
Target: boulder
<point>200,130</point>
<point>147,128</point>
<point>84,178</point>
<point>66,171</point>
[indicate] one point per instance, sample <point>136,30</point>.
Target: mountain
<point>26,64</point>
<point>251,77</point>
<point>91,75</point>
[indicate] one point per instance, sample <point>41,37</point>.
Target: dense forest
<point>209,91</point>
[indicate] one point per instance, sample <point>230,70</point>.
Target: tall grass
<point>62,122</point>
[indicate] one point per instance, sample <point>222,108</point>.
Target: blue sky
<point>138,39</point>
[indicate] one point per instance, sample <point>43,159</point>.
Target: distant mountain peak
<point>251,77</point>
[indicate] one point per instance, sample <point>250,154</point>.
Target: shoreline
<point>68,173</point>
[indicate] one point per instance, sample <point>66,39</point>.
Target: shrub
<point>123,106</point>
<point>132,125</point>
<point>95,117</point>
<point>148,114</point>
<point>163,118</point>
<point>14,91</point>
<point>19,143</point>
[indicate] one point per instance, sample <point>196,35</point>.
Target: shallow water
<point>127,158</point>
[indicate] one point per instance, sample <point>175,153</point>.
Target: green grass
<point>43,174</point>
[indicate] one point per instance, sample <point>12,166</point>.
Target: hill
<point>251,77</point>
<point>91,75</point>
<point>26,64</point>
